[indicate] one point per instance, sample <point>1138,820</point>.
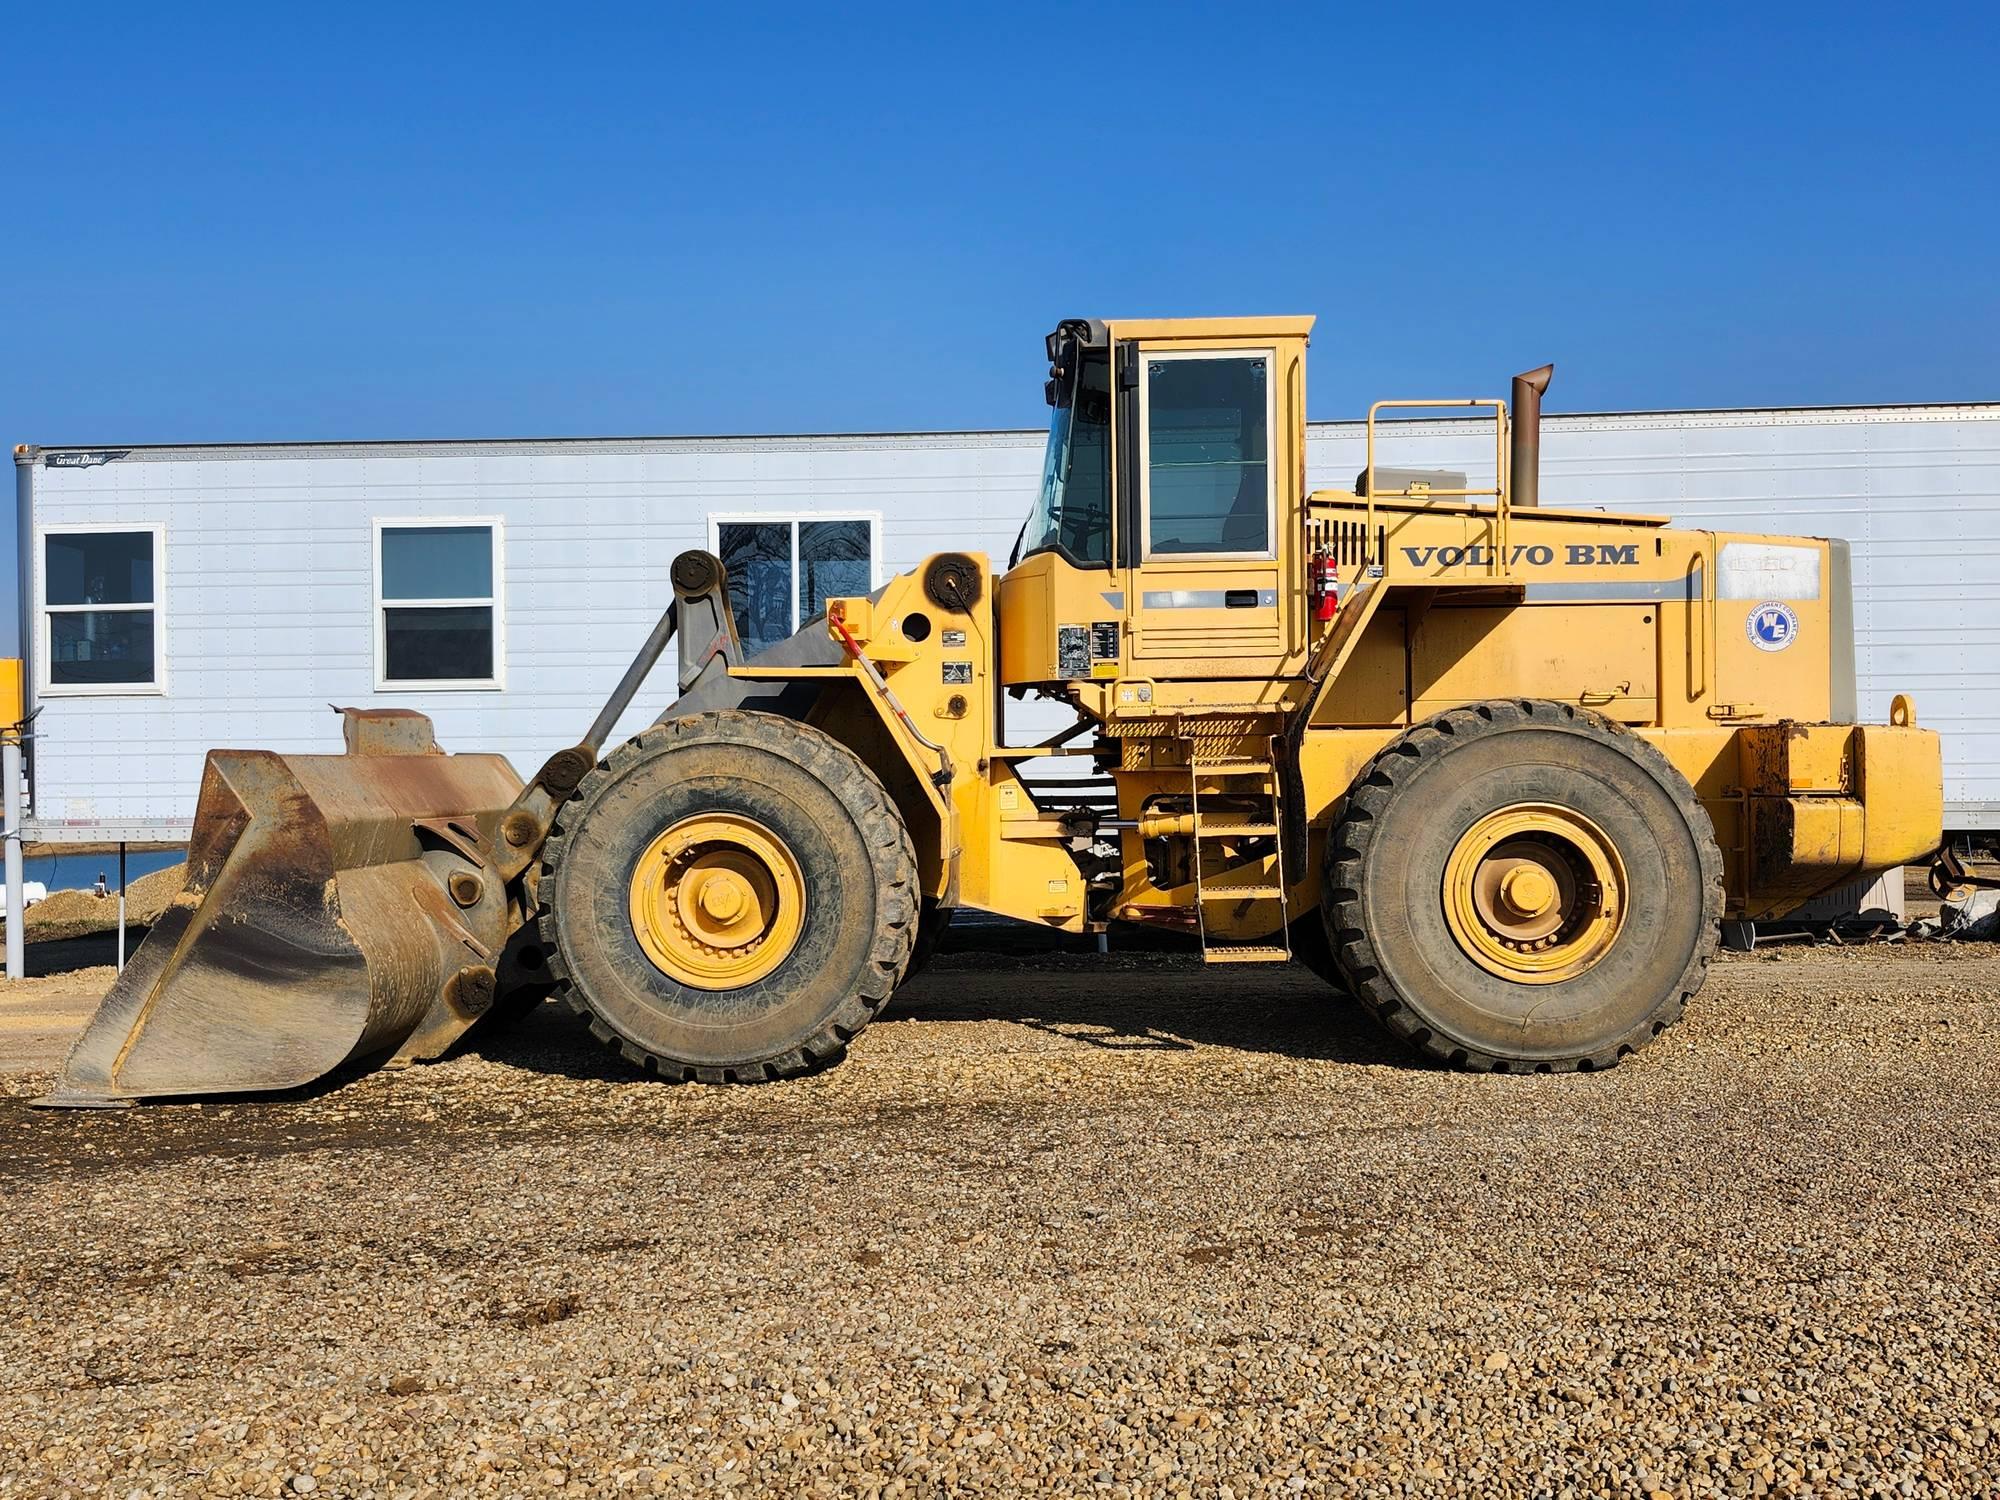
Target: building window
<point>100,603</point>
<point>438,620</point>
<point>783,569</point>
<point>1208,474</point>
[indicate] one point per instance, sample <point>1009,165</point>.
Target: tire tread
<point>1377,786</point>
<point>846,777</point>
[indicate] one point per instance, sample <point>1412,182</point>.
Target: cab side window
<point>1208,471</point>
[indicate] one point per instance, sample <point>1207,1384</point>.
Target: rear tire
<point>842,907</point>
<point>1523,886</point>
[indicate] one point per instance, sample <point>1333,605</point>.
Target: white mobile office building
<point>178,598</point>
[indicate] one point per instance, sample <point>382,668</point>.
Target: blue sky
<point>255,222</point>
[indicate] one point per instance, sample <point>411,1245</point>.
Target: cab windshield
<point>1072,514</point>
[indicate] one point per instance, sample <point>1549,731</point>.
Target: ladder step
<point>1221,891</point>
<point>1237,766</point>
<point>1245,953</point>
<point>1227,830</point>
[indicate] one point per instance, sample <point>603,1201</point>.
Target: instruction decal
<point>958,671</point>
<point>1072,651</point>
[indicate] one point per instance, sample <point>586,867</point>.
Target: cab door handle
<point>1239,598</point>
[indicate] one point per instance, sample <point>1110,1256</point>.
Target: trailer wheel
<point>729,897</point>
<point>1523,886</point>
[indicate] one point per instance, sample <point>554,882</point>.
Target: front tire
<point>1523,886</point>
<point>729,897</point>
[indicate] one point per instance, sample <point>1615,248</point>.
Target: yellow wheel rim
<point>717,901</point>
<point>1535,893</point>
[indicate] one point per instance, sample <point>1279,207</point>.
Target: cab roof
<point>1296,327</point>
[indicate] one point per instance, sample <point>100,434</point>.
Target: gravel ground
<point>1057,1226</point>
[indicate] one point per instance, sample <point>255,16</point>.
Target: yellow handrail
<point>1499,491</point>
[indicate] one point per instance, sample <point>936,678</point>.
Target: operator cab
<point>1159,540</point>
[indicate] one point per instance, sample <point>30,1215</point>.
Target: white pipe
<point>121,907</point>
<point>10,757</point>
<point>17,900</point>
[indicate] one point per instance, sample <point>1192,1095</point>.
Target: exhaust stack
<point>1525,462</point>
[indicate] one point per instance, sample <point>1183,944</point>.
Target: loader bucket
<point>337,907</point>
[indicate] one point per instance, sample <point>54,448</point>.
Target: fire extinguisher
<point>1325,586</point>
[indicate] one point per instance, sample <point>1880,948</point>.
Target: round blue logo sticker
<point>1772,626</point>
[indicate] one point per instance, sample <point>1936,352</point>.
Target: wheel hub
<point>1527,891</point>
<point>717,901</point>
<point>723,897</point>
<point>1534,893</point>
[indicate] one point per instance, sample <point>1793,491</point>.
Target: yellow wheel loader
<point>1499,770</point>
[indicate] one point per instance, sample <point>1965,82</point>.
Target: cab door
<point>1204,598</point>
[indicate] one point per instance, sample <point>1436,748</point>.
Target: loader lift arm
<point>700,594</point>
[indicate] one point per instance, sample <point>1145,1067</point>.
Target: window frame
<point>719,519</point>
<point>45,685</point>
<point>1269,354</point>
<point>384,683</point>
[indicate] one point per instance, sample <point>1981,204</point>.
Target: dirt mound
<point>70,914</point>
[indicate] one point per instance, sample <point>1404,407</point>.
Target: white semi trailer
<point>175,598</point>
